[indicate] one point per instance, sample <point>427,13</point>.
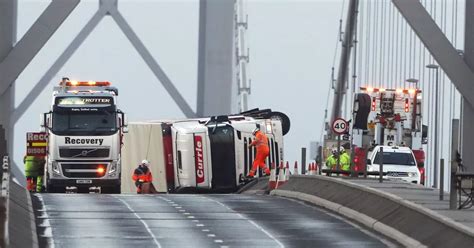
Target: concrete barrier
<point>21,218</point>
<point>17,219</point>
<point>390,212</point>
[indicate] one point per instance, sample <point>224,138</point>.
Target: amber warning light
<point>86,83</point>
<point>100,170</point>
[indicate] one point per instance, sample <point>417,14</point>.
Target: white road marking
<point>250,221</point>
<point>143,222</point>
<point>218,241</point>
<point>205,230</point>
<point>200,225</point>
<point>182,210</point>
<point>211,235</point>
<point>195,220</point>
<point>186,213</point>
<point>190,217</point>
<point>48,231</point>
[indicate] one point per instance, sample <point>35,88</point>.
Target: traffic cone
<point>287,171</point>
<point>295,170</point>
<point>272,181</point>
<point>281,176</point>
<point>308,171</point>
<point>313,171</point>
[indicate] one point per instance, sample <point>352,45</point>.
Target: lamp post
<point>436,133</point>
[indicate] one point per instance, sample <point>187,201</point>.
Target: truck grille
<point>397,174</point>
<point>84,153</point>
<point>80,170</point>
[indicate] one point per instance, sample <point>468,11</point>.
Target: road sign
<point>36,144</point>
<point>340,126</point>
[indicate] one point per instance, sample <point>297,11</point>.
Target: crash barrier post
<point>272,180</point>
<point>366,155</point>
<point>453,188</point>
<point>381,166</point>
<point>281,176</point>
<point>5,198</point>
<point>441,180</point>
<point>303,161</point>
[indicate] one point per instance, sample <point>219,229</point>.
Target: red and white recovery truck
<point>203,155</point>
<point>392,119</point>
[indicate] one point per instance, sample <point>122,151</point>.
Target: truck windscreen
<point>395,158</point>
<point>84,121</point>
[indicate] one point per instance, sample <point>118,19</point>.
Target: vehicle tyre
<point>56,189</point>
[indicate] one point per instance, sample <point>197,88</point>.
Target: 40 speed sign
<point>340,126</point>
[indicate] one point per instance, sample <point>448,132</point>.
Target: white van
<point>398,163</point>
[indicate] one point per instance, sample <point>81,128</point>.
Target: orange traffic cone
<point>272,181</point>
<point>281,176</point>
<point>295,170</point>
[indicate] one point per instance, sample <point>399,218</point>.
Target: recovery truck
<point>205,154</point>
<point>85,129</point>
<point>390,119</point>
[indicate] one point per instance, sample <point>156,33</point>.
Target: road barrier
<point>16,205</point>
<point>419,223</point>
<point>5,201</point>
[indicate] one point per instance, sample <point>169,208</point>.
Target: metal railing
<point>5,177</point>
<point>5,199</point>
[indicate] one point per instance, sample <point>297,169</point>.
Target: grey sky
<point>291,50</point>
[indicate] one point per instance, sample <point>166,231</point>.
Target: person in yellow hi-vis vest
<point>34,169</point>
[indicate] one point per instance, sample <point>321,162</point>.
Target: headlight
<point>113,168</point>
<point>55,167</point>
<point>412,174</point>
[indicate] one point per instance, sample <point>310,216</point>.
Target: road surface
<point>92,220</point>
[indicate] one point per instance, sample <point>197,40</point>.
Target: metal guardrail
<point>5,177</point>
<point>5,195</point>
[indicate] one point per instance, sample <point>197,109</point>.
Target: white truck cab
<point>398,163</point>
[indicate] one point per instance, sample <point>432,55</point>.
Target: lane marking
<point>201,225</point>
<point>205,230</point>
<point>218,241</point>
<point>141,220</point>
<point>48,230</point>
<point>211,235</point>
<point>250,221</point>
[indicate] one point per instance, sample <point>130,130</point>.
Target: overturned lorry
<point>201,155</point>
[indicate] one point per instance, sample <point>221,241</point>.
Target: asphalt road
<point>91,220</point>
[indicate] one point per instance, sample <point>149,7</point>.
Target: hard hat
<point>341,149</point>
<point>145,162</point>
<point>255,130</point>
<point>334,150</point>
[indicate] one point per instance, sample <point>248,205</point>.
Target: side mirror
<point>44,120</point>
<point>123,121</point>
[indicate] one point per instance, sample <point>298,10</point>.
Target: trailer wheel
<point>285,120</point>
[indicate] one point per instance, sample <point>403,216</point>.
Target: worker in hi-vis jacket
<point>261,143</point>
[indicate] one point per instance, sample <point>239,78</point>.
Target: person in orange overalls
<point>261,143</point>
<point>141,175</point>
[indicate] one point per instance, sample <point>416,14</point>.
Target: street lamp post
<point>436,131</point>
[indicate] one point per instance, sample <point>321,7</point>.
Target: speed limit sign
<point>340,126</point>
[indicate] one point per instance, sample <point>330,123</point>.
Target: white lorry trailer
<point>85,129</point>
